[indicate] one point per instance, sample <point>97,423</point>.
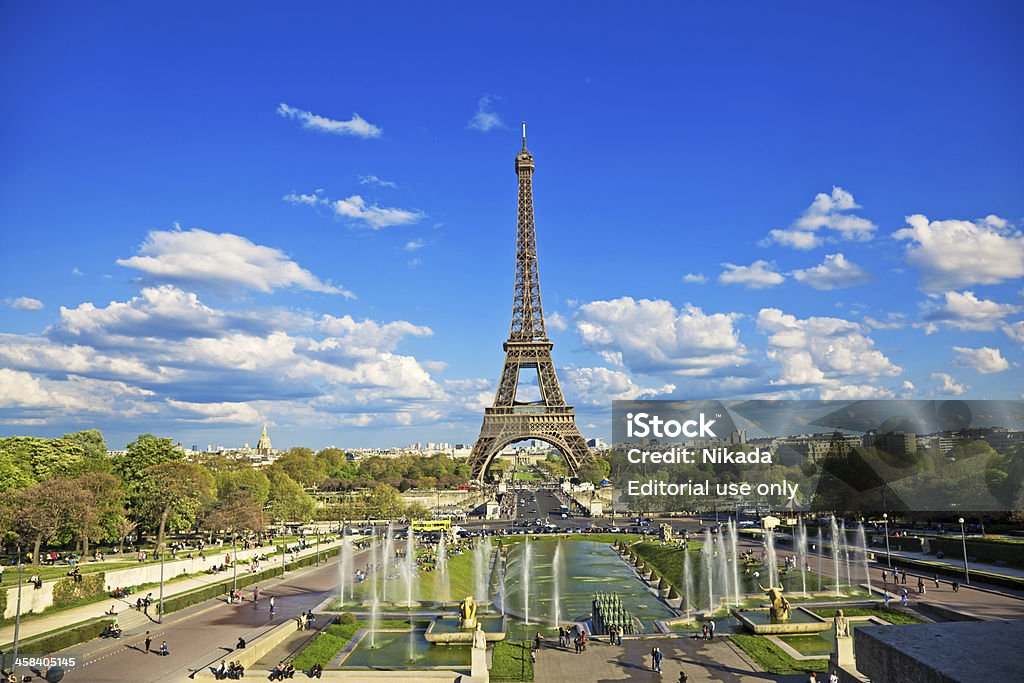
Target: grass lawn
<point>772,659</point>
<point>893,616</point>
<point>526,475</point>
<point>326,646</point>
<point>510,661</point>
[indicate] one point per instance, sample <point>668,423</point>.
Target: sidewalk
<point>127,616</point>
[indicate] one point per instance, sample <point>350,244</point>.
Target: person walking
<point>903,597</point>
<point>255,596</point>
<point>885,577</point>
<point>956,586</point>
<point>903,576</point>
<point>272,605</point>
<point>834,678</point>
<point>704,632</point>
<point>148,641</point>
<point>536,641</point>
<point>935,578</point>
<point>711,630</point>
<point>658,656</point>
<point>885,597</point>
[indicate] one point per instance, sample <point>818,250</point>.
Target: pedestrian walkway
<point>703,661</point>
<point>127,616</point>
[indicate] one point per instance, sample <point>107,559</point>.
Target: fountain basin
<point>391,651</point>
<point>800,621</point>
<point>446,631</point>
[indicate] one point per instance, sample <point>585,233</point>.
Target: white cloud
<point>221,259</point>
<point>600,386</point>
<point>413,245</point>
<point>652,336</point>
<point>556,321</point>
<point>24,303</point>
<point>357,125</point>
<point>893,321</point>
<point>855,392</point>
<point>695,278</point>
<point>965,311</point>
<point>795,239</point>
<point>835,272</point>
<point>828,211</point>
<point>76,271</point>
<point>758,275</point>
<point>485,118</point>
<point>374,180</point>
<point>952,254</point>
<point>822,352</point>
<point>1015,331</point>
<point>307,199</point>
<point>216,413</point>
<point>948,385</point>
<point>355,208</point>
<point>908,389</point>
<point>985,360</point>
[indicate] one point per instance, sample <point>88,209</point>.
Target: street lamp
<point>17,615</point>
<point>160,609</point>
<point>963,539</point>
<point>888,556</point>
<point>234,565</point>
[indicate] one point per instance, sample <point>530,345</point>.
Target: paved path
<point>126,615</point>
<point>714,660</point>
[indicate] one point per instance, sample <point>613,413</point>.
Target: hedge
<point>64,638</point>
<point>68,592</point>
<point>983,551</point>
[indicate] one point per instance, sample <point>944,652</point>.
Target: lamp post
<point>234,564</point>
<point>160,608</point>
<point>888,555</point>
<point>963,539</point>
<point>17,614</point>
<point>318,546</point>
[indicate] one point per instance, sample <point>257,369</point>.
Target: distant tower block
<point>528,348</point>
<point>263,446</point>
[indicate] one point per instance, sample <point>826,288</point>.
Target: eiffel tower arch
<point>548,419</point>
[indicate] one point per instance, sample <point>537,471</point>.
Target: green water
<point>587,568</point>
<point>391,649</point>
<point>823,643</point>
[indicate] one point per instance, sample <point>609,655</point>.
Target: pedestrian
<point>834,678</point>
<point>576,644</point>
<point>920,586</point>
<point>704,632</point>
<point>885,597</point>
<point>240,645</point>
<point>272,606</point>
<point>903,597</point>
<point>618,636</point>
<point>533,656</point>
<point>658,656</point>
<point>255,595</point>
<point>935,578</point>
<point>885,576</point>
<point>536,641</point>
<point>683,678</point>
<point>904,576</point>
<point>956,586</point>
<point>813,678</point>
<point>148,641</point>
<point>711,630</point>
<point>583,641</point>
<point>164,651</point>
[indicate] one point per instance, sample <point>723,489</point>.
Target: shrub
<point>64,638</point>
<point>347,618</point>
<point>67,591</point>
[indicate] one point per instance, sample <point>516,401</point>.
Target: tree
<point>385,502</point>
<point>105,509</point>
<point>237,513</point>
<point>288,502</point>
<point>146,451</point>
<point>249,480</point>
<point>299,464</point>
<point>44,511</point>
<point>171,495</point>
<point>94,447</point>
<point>595,470</point>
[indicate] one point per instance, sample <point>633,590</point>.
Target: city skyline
<point>275,226</point>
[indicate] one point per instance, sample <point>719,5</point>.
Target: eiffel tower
<point>528,347</point>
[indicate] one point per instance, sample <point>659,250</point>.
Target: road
<point>205,633</point>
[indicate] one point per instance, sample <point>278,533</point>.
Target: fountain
<point>723,568</point>
<point>374,600</point>
<point>410,585</point>
<point>525,577</point>
<point>687,581</point>
<point>707,555</point>
<point>387,557</point>
<point>835,557</point>
<point>345,569</point>
<point>442,569</point>
<point>821,559</point>
<point>555,579</point>
<point>735,559</point>
<point>481,562</point>
<point>801,554</point>
<point>862,541</point>
<point>771,561</point>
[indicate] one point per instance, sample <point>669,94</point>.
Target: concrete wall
<point>38,599</point>
<point>433,499</point>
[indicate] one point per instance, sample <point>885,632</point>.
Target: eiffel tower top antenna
<point>524,136</point>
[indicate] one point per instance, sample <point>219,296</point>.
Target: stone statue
<point>479,639</point>
<point>467,613</point>
<point>780,609</point>
<point>842,624</point>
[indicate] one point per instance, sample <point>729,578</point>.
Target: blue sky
<point>219,215</point>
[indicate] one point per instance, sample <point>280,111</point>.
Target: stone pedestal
<point>843,656</point>
<point>479,670</point>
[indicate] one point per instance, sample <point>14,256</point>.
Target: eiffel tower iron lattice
<point>528,348</point>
